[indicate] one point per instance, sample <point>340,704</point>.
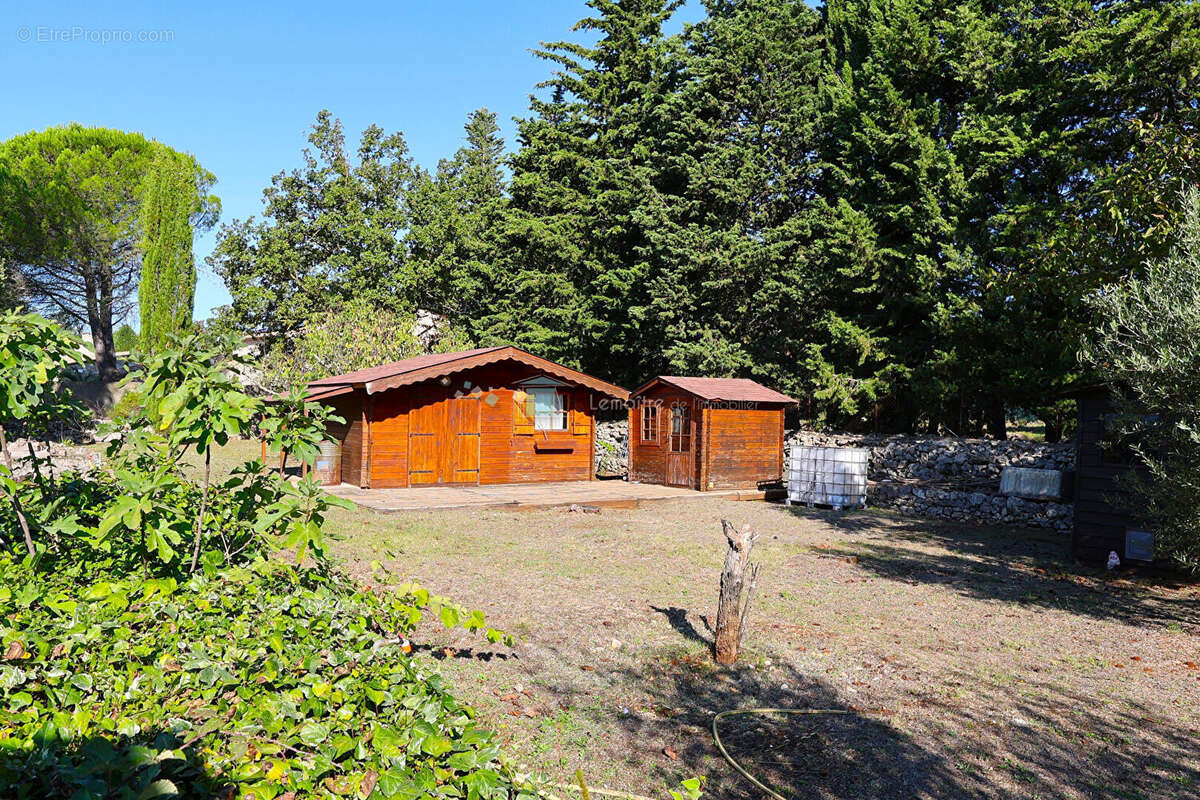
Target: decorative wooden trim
<point>782,455</point>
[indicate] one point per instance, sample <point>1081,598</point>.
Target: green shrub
<point>253,683</point>
<point>1147,345</point>
<point>127,409</point>
<point>125,338</point>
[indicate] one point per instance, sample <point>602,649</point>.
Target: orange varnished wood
<point>349,434</point>
<point>745,447</point>
<point>464,433</point>
<point>732,447</point>
<point>387,453</point>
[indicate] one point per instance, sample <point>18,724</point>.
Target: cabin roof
<point>435,365</point>
<point>399,367</point>
<point>741,390</point>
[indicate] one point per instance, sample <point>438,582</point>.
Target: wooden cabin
<point>1103,521</point>
<point>706,433</point>
<point>485,416</point>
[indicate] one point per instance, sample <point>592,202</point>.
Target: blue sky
<point>240,87</point>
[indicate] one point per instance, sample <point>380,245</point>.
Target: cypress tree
<point>167,289</point>
<point>583,192</point>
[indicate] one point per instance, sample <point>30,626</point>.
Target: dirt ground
<point>966,661</point>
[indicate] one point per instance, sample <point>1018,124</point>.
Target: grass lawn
<point>975,662</point>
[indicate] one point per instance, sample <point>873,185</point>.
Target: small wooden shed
<point>706,433</point>
<point>1104,522</point>
<point>485,416</point>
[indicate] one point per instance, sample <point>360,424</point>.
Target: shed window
<point>549,409</point>
<point>681,429</point>
<point>649,423</point>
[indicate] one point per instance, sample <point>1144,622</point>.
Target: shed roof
<point>741,390</point>
<point>435,365</point>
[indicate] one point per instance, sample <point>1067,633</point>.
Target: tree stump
<point>737,576</point>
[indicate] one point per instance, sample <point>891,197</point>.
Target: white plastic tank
<point>828,476</point>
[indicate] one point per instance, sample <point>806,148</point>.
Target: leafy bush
<point>1147,344</point>
<point>256,682</point>
<point>127,674</point>
<point>358,335</point>
<point>127,409</point>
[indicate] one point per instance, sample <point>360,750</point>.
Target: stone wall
<point>927,476</point>
<point>612,448</point>
<point>955,479</point>
<point>59,456</point>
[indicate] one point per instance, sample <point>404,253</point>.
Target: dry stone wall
<point>955,479</point>
<point>58,456</point>
<point>927,476</point>
<point>612,448</point>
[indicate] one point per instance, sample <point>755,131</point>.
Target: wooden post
<point>738,574</point>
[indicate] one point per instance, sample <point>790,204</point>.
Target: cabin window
<point>649,423</point>
<point>549,409</point>
<point>681,429</point>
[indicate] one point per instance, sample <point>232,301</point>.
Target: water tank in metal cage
<point>828,476</point>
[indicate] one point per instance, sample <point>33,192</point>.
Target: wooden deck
<point>522,496</point>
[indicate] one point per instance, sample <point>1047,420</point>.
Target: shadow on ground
<point>1054,742</point>
<point>1019,565</point>
<point>849,753</point>
<point>108,767</point>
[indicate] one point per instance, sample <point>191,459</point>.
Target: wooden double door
<point>443,438</point>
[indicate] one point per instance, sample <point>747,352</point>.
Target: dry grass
<point>978,662</point>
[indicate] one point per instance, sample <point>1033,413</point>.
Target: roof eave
<point>491,357</point>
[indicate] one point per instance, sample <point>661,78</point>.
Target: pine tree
<point>735,292</point>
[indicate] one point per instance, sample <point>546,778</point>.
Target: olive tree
<point>1147,343</point>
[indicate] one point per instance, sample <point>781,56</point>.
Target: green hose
<point>739,711</point>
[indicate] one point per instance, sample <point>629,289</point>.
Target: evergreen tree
<point>75,206</point>
<point>332,230</point>
<point>738,289</point>
<point>170,210</point>
<point>583,191</point>
<point>455,239</point>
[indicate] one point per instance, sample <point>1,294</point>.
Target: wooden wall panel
<point>744,447</point>
<point>389,439</point>
<point>503,456</point>
<point>349,434</point>
<point>648,459</point>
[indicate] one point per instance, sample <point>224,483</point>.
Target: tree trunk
<point>203,509</point>
<point>106,351</point>
<point>731,613</point>
<point>14,498</point>
<point>997,423</point>
<point>1054,427</point>
<point>99,313</point>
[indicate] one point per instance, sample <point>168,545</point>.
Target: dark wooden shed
<point>485,416</point>
<point>706,433</point>
<point>1103,520</point>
